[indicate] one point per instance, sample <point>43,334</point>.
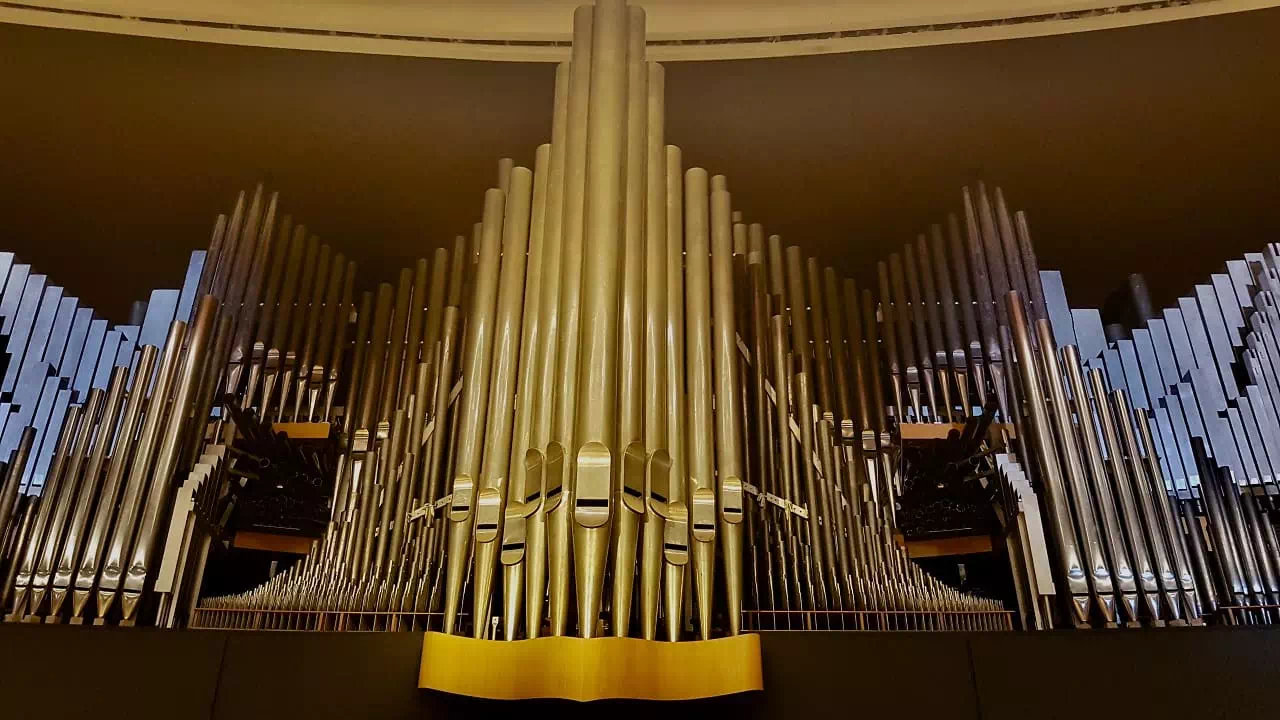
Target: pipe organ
<point>618,405</point>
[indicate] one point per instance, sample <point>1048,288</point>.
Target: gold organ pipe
<point>819,519</point>
<point>560,461</point>
<point>596,458</point>
<point>728,415</point>
<point>656,350</point>
<point>700,433</point>
<point>518,503</point>
<point>487,513</point>
<point>477,360</point>
<point>549,324</point>
<point>676,527</point>
<point>629,481</point>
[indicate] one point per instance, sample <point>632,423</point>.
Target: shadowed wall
<point>1150,148</point>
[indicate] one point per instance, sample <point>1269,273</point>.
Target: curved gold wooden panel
<point>596,669</point>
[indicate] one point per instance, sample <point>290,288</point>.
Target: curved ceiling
<point>539,31</point>
<point>1149,148</point>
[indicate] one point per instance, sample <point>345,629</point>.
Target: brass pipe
<point>391,480</point>
<point>315,374</point>
<point>921,335</point>
<point>212,255</point>
<point>596,432</point>
<point>520,462</point>
<point>676,516</point>
<point>434,478</point>
<point>986,295</point>
<point>310,329</point>
<point>934,312</point>
<point>972,335</point>
<point>887,314</point>
<point>562,450</point>
<point>436,302</point>
<point>906,343</point>
<point>247,313</point>
<point>275,354</point>
<point>549,322</point>
<point>953,351</point>
<point>222,266</point>
<point>270,310</point>
<point>495,461</point>
<point>819,517</point>
<point>843,417</point>
<point>263,332</point>
<point>656,350</point>
<point>477,362</point>
<point>363,464</point>
<point>629,482</point>
<point>700,433</point>
<point>728,415</point>
<point>291,352</point>
<point>413,352</point>
<point>782,419</point>
<point>343,320</point>
<point>391,397</point>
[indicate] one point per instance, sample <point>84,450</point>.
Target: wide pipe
<point>629,478</point>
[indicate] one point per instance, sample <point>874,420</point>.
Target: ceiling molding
<point>720,30</point>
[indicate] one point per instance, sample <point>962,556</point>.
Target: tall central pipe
<point>596,465</point>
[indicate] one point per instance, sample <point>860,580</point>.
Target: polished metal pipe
<point>549,322</point>
<point>561,459</point>
<point>179,423</point>
<point>521,500</point>
<point>1100,581</point>
<point>477,362</point>
<point>114,569</point>
<point>668,490</point>
<point>628,489</point>
<point>728,415</point>
<point>1073,575</point>
<point>656,350</point>
<point>495,461</point>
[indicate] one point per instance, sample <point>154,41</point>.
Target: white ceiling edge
<point>945,31</point>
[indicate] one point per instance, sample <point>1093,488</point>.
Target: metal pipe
<point>495,462</point>
<point>656,350</point>
<point>525,462</point>
<point>549,322</point>
<point>560,463</point>
<point>728,415</point>
<point>477,362</point>
<point>1073,575</point>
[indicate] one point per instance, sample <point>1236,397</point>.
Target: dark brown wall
<point>1151,148</point>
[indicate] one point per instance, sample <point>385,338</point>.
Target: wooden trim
<point>252,540</point>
